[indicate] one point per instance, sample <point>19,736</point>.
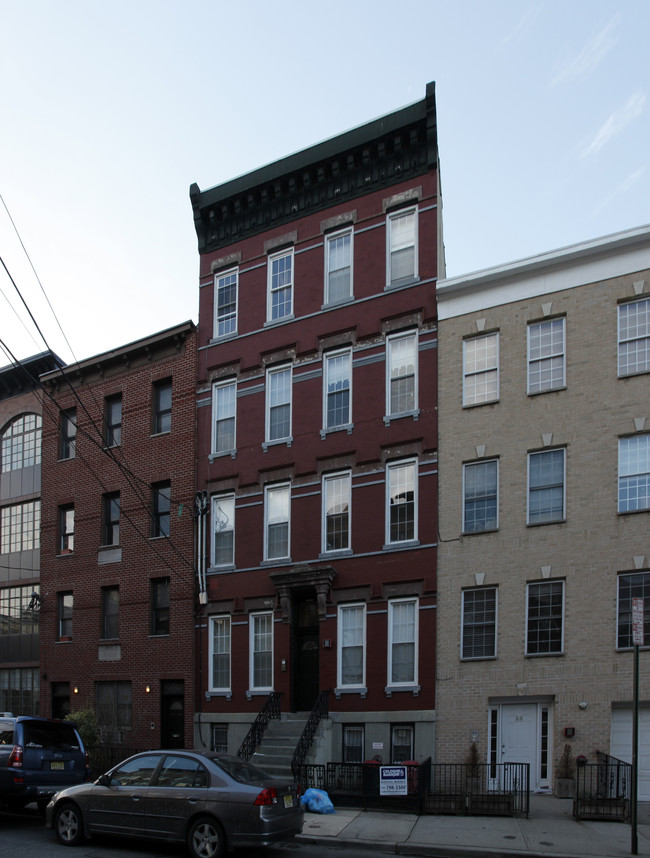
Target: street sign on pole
<point>637,622</point>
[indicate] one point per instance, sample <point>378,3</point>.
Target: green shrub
<point>86,722</point>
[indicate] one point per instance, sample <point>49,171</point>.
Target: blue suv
<point>38,757</point>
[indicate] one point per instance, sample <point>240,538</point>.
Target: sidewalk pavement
<point>550,830</point>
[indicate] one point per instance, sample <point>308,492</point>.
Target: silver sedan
<point>212,802</point>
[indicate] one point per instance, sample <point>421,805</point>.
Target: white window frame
<point>217,515</point>
<point>252,622</point>
<point>530,490</point>
<point>467,468</point>
<point>330,239</point>
<point>546,354</point>
<point>392,343</point>
<point>634,471</point>
<point>341,645</point>
<point>225,324</point>
<point>271,374</point>
<point>638,338</point>
<point>218,389</point>
<point>328,361</point>
<point>269,491</point>
<point>539,584</point>
<point>486,369</point>
<point>393,642</point>
<point>224,650</point>
<point>393,246</point>
<point>393,468</point>
<point>343,479</point>
<point>484,623</point>
<point>274,288</point>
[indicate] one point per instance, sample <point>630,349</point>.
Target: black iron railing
<point>271,709</point>
<point>319,710</point>
<point>480,788</point>
<point>603,789</point>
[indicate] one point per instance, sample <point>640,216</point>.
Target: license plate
<point>57,765</point>
<point>288,801</point>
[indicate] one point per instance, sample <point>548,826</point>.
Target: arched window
<point>21,443</point>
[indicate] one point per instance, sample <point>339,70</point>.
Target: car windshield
<point>240,770</point>
<point>41,734</point>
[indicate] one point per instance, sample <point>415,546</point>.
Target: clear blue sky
<point>111,110</point>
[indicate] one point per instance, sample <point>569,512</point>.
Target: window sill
<point>545,523</point>
<point>480,532</point>
<point>347,427</point>
<point>361,691</point>
<point>258,692</point>
<point>388,418</point>
<point>271,322</point>
<point>544,654</point>
<point>548,390</point>
<point>470,658</point>
<point>341,302</point>
<point>332,555</point>
<point>479,404</point>
<point>227,695</point>
<point>401,546</point>
<point>65,552</point>
<point>400,284</point>
<point>222,338</point>
<point>393,689</point>
<point>222,455</point>
<point>223,567</point>
<point>157,636</point>
<point>160,434</point>
<point>63,639</point>
<point>633,511</point>
<point>277,561</point>
<point>277,442</point>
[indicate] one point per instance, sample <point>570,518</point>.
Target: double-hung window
<point>401,501</point>
<point>402,246</point>
<point>401,374</point>
<point>278,403</point>
<point>161,511</point>
<point>546,356</point>
<point>66,529</point>
<point>336,512</point>
<point>480,496</point>
<point>401,743</point>
<point>338,266</point>
<point>68,436</point>
<point>634,337</point>
<point>633,586</point>
<point>402,642</point>
<point>110,612</point>
<point>113,420</point>
<point>634,473</point>
<point>111,519</point>
<point>65,602</point>
<point>545,618</point>
<point>224,413</point>
<point>226,285</point>
<point>159,606</point>
<point>261,651</point>
<point>481,369</point>
<point>479,626</point>
<point>337,389</point>
<point>280,286</point>
<point>546,487</point>
<point>223,530</point>
<point>352,646</point>
<point>277,521</point>
<point>220,653</point>
<point>353,743</point>
<point>162,406</point>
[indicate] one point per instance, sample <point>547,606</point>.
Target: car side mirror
<point>104,780</point>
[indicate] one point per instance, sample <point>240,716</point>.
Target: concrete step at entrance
<point>276,749</point>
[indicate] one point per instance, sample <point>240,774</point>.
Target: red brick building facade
<point>317,439</point>
<point>117,577</point>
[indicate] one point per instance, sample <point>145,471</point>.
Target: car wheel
<point>206,838</point>
<point>68,824</point>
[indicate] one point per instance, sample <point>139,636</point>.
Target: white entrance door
<point>620,744</point>
<point>519,737</point>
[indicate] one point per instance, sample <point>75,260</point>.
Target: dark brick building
<point>317,447</point>
<point>117,577</point>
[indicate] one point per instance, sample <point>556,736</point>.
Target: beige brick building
<point>544,505</point>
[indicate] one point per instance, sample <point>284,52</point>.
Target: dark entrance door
<point>172,714</point>
<point>305,661</point>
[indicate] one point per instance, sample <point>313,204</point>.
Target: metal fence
<point>603,789</point>
<point>104,757</point>
<point>500,789</point>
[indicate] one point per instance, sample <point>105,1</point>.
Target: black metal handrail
<point>271,709</point>
<point>319,710</point>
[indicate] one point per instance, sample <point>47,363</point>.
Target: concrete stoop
<point>278,744</point>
